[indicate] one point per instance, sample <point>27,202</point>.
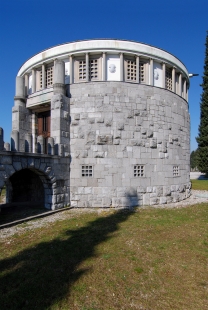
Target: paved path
<point>197,175</point>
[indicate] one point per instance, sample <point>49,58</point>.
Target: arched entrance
<point>27,187</point>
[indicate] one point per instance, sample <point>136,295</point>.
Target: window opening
<point>48,77</point>
<point>82,70</point>
<point>139,171</point>
<point>168,78</point>
<point>93,69</point>
<point>131,70</point>
<point>175,171</point>
<point>141,72</point>
<point>86,171</point>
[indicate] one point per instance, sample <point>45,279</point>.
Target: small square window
<point>86,171</point>
<point>138,171</point>
<point>175,171</point>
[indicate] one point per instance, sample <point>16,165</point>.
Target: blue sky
<point>29,26</point>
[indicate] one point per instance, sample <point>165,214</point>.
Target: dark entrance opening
<point>27,187</point>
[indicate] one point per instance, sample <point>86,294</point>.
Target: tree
<point>202,139</point>
<point>193,159</point>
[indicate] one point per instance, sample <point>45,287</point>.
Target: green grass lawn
<point>148,259</point>
<point>2,195</point>
<point>200,184</point>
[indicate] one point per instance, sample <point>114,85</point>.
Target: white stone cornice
<point>99,46</point>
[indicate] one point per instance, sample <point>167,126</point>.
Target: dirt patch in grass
<point>148,259</point>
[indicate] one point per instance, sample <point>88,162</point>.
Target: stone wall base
<point>122,197</point>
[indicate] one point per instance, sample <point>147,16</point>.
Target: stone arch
<point>31,186</point>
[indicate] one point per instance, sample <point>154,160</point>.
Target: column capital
<point>55,60</point>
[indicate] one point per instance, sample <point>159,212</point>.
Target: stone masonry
<point>102,124</point>
<point>115,126</point>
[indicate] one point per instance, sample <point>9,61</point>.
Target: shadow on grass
<point>18,211</point>
<point>38,277</point>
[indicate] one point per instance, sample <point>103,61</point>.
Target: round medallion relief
<point>156,74</point>
<point>112,68</point>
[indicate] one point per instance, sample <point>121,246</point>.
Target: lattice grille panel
<point>139,171</point>
<point>86,171</point>
<point>93,69</point>
<point>141,72</point>
<point>131,70</point>
<point>48,77</point>
<point>175,171</point>
<point>82,70</point>
<point>168,79</point>
<point>41,79</point>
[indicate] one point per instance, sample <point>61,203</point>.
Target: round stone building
<point>115,114</point>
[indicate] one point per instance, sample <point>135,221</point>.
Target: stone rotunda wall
<point>113,117</point>
<point>129,145</point>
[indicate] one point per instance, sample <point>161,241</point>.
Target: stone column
<point>50,146</point>
<point>71,78</point>
<point>40,142</point>
<point>15,141</point>
<point>1,139</point>
<point>33,80</point>
<point>43,76</point>
<point>187,88</point>
<point>54,61</point>
<point>60,120</point>
<point>151,71</point>
<point>34,126</point>
<point>146,68</point>
<point>26,84</point>
<point>163,75</point>
<point>61,150</point>
<point>59,77</point>
<point>20,91</point>
<point>87,66</point>
<point>121,67</point>
<point>137,68</point>
<point>184,89</point>
<point>179,84</point>
<point>7,146</point>
<point>104,66</point>
<point>21,120</point>
<point>173,80</point>
<point>28,143</point>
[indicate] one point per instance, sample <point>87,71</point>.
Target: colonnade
<point>179,81</point>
